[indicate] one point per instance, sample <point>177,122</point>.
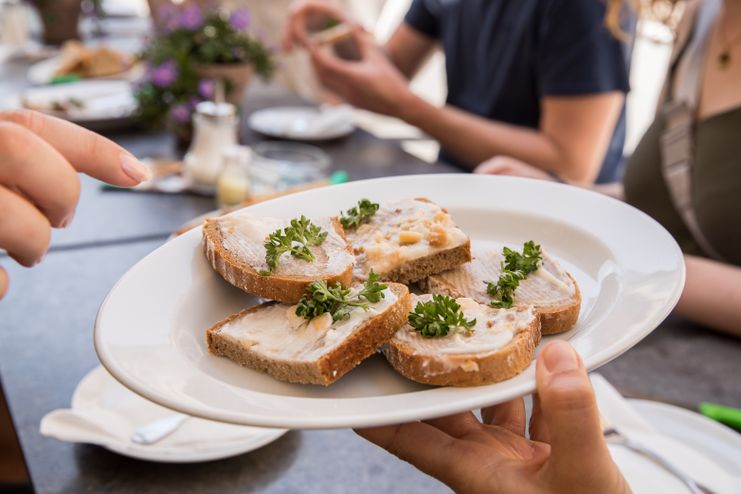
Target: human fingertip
<point>559,356</point>
<point>3,283</point>
<point>135,169</point>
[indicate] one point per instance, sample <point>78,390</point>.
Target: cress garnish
<point>438,317</point>
<point>338,300</point>
<point>359,214</point>
<point>515,268</point>
<point>296,239</point>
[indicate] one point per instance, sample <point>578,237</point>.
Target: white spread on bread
<point>244,237</point>
<point>494,329</point>
<point>402,231</point>
<point>547,286</point>
<point>276,333</point>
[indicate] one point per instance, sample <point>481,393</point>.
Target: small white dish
<point>150,328</point>
<point>303,123</point>
<point>95,104</point>
<point>100,399</point>
<point>679,430</point>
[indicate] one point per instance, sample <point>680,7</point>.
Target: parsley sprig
<point>515,268</point>
<point>339,300</point>
<point>359,214</point>
<point>296,238</point>
<point>438,316</point>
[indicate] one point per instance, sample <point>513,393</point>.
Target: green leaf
<point>295,239</point>
<point>438,317</point>
<point>515,268</point>
<point>339,300</point>
<point>359,214</point>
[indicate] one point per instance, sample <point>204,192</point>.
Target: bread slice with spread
<point>406,240</point>
<point>489,345</point>
<point>552,291</point>
<point>279,340</point>
<point>238,247</point>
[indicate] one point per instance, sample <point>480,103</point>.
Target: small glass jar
<point>214,129</point>
<point>233,185</point>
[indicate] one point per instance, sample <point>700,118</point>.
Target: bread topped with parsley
<point>275,258</point>
<point>317,341</point>
<point>459,342</point>
<point>404,240</point>
<point>509,278</point>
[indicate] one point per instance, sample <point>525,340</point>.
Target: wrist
<point>412,108</point>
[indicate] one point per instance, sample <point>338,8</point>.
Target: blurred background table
<point>46,342</point>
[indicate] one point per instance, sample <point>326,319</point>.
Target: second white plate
<point>150,329</point>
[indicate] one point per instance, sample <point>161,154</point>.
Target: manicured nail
<point>135,168</point>
<point>66,221</point>
<point>560,356</point>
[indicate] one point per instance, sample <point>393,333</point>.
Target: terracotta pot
<point>60,20</point>
<point>236,78</point>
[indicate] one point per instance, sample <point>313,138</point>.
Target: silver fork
<point>613,436</point>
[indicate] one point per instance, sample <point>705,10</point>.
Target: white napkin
<point>643,475</point>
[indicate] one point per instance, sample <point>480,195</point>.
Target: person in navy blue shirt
<point>540,81</point>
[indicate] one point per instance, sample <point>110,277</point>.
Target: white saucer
<point>98,390</point>
<point>303,123</point>
<point>717,444</point>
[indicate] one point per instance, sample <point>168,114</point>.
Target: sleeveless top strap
<point>679,111</point>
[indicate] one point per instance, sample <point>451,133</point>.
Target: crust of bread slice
<point>417,269</point>
<point>287,289</point>
<point>361,344</point>
<point>471,369</point>
<point>553,319</point>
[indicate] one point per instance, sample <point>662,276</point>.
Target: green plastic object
<point>63,79</point>
<point>723,414</point>
<point>338,177</point>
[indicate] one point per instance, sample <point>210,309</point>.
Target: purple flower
<point>180,114</point>
<point>206,88</point>
<point>240,19</point>
<point>193,102</point>
<point>164,74</point>
<point>168,18</point>
<point>191,17</point>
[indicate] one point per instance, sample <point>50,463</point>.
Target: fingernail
<point>135,168</point>
<point>560,356</point>
<point>66,221</point>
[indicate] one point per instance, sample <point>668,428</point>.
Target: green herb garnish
<point>339,300</point>
<point>515,268</point>
<point>358,214</point>
<point>296,239</point>
<point>438,316</point>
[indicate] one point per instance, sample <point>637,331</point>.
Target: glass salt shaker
<point>214,129</point>
<point>233,186</point>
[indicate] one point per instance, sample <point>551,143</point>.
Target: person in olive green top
<point>712,294</point>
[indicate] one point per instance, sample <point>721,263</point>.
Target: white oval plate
<point>298,123</point>
<point>150,329</point>
<point>98,390</point>
<point>107,103</point>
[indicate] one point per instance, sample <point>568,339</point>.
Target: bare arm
<point>572,139</point>
<point>408,49</point>
<point>712,295</point>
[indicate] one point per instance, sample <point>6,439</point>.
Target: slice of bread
<point>501,345</point>
<point>408,240</point>
<point>270,338</point>
<point>552,291</point>
<point>234,246</point>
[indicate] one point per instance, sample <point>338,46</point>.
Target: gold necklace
<point>724,57</point>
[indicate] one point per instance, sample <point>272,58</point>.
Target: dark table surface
<point>46,347</point>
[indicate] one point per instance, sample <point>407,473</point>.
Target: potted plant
<point>194,50</point>
<point>59,19</point>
